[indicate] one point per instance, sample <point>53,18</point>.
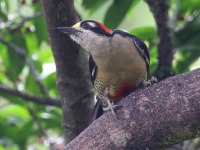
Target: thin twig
<point>13,26</point>
<point>30,97</point>
<point>37,120</point>
<point>23,54</point>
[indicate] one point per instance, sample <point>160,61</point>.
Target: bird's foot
<point>111,107</point>
<point>150,81</point>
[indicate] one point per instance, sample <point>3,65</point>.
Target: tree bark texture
<point>159,9</point>
<point>152,118</point>
<point>71,62</point>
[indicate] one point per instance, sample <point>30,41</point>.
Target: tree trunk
<point>71,67</point>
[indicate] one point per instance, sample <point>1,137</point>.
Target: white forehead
<point>92,24</point>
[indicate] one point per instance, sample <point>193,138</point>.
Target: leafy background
<point>27,64</point>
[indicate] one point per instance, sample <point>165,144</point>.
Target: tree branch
<point>159,8</point>
<point>21,52</point>
<point>152,118</point>
<point>31,98</point>
<point>13,26</point>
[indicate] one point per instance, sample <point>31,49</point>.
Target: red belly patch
<point>122,92</point>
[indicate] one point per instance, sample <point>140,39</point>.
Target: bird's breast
<point>121,83</point>
<point>120,67</point>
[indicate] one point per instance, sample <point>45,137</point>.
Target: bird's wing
<point>92,69</point>
<point>143,50</point>
<point>98,109</point>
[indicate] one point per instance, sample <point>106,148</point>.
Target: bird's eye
<point>86,26</point>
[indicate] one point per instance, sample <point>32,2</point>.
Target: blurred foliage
<point>23,124</point>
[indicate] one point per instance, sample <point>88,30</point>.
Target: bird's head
<point>88,33</point>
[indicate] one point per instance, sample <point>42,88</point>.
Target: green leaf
<point>15,62</point>
<point>51,122</point>
<point>193,6</point>
<point>187,44</point>
<point>31,43</point>
<point>131,9</point>
<point>38,65</point>
<point>1,147</point>
<point>14,110</point>
<point>117,12</point>
<point>190,29</point>
<point>93,5</point>
<point>153,59</point>
<point>3,16</point>
<point>45,56</point>
<point>145,33</point>
<point>13,99</point>
<point>50,83</point>
<point>40,30</point>
<point>31,85</point>
<point>51,118</point>
<point>14,68</point>
<point>185,59</point>
<point>40,27</point>
<point>26,130</point>
<point>4,5</point>
<point>90,3</point>
<point>4,62</point>
<point>12,116</point>
<point>9,131</point>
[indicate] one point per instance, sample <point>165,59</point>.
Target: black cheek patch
<point>100,31</point>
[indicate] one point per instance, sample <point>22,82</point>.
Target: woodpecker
<point>118,61</point>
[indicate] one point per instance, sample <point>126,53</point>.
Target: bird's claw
<point>150,81</point>
<point>111,107</point>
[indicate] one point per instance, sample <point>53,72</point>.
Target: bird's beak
<point>67,30</point>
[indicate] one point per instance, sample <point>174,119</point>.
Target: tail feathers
<point>97,112</point>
